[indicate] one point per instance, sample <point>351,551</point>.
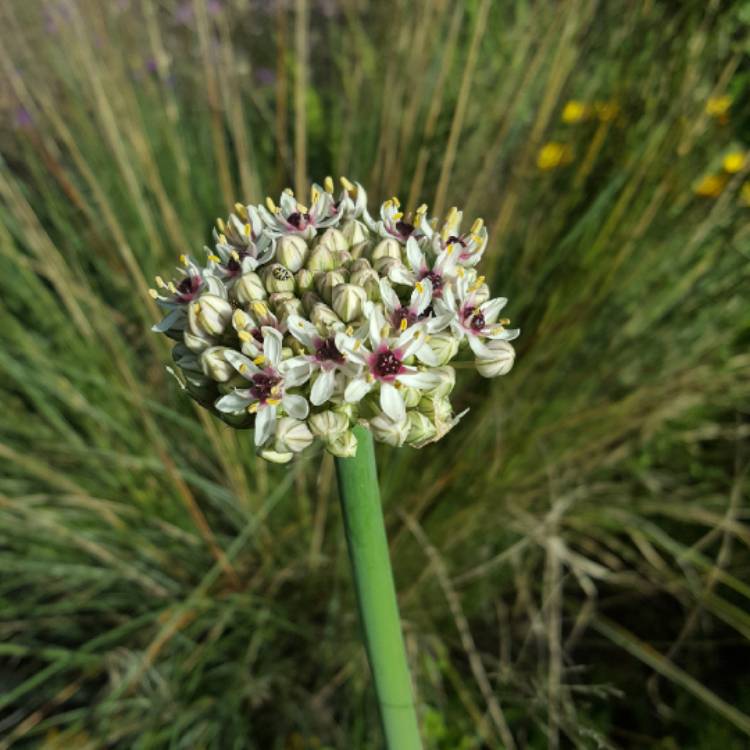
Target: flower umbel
<point>307,319</point>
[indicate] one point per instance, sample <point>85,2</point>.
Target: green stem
<point>376,594</point>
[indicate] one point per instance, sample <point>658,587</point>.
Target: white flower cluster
<point>305,321</point>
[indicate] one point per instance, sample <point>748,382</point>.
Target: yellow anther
<point>314,195</point>
<point>273,401</point>
<point>197,308</point>
<point>184,260</point>
<point>349,331</point>
<point>477,225</point>
<point>235,255</point>
<point>460,271</point>
<point>153,293</point>
<point>159,281</point>
<point>253,408</point>
<point>243,368</point>
<point>328,184</point>
<point>223,239</point>
<point>239,318</point>
<point>348,186</point>
<point>398,215</point>
<point>214,258</point>
<point>302,209</point>
<point>222,227</point>
<point>241,210</point>
<point>419,287</point>
<point>248,229</point>
<point>504,321</point>
<point>260,309</point>
<point>259,360</point>
<point>402,326</point>
<point>244,336</point>
<point>172,288</point>
<point>396,201</point>
<point>422,209</point>
<point>289,191</point>
<point>271,205</point>
<point>357,345</point>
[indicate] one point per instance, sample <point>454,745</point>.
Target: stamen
<point>244,336</point>
<point>243,368</point>
<point>328,184</point>
<point>477,226</point>
<point>153,293</point>
<point>348,186</point>
<point>403,325</point>
<point>222,227</point>
<point>253,408</point>
<point>184,260</point>
<point>214,258</point>
<point>241,210</point>
<point>259,360</point>
<point>271,205</point>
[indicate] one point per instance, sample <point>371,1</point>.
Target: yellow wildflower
<point>718,106</point>
<point>734,162</point>
<point>553,155</point>
<point>574,111</point>
<point>711,186</point>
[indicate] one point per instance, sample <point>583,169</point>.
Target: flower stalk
<point>376,593</point>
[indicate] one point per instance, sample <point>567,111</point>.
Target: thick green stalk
<point>376,594</point>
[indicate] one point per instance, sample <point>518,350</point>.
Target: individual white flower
<point>291,217</point>
<point>474,321</point>
<point>383,365</point>
<point>270,379</point>
<point>214,364</point>
<point>352,202</point>
<point>468,247</point>
<point>176,297</point>
<point>328,424</point>
<point>393,223</point>
<point>323,359</point>
<point>249,327</point>
<point>240,246</point>
<point>419,307</point>
<point>438,271</point>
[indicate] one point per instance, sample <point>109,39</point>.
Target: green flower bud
<point>360,264</point>
<point>350,411</point>
<point>348,301</point>
<point>499,363</point>
<point>277,278</point>
<point>411,396</point>
<point>421,429</point>
<point>291,252</point>
<point>324,319</point>
<point>445,345</point>
<point>359,250</point>
<point>369,280</point>
<point>447,381</point>
<point>321,259</point>
<point>292,435</point>
<point>215,366</point>
<point>249,288</point>
<point>327,424</point>
<point>385,430</point>
<point>325,282</point>
<point>354,232</point>
<point>209,316</point>
<point>288,307</point>
<point>186,360</point>
<point>333,240</point>
<point>387,248</point>
<point>304,280</point>
<point>343,258</point>
<point>438,409</point>
<point>343,445</point>
<point>385,265</point>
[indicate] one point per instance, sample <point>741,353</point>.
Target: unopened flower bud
<point>325,283</point>
<point>447,381</point>
<point>386,430</point>
<point>368,279</point>
<point>197,343</point>
<point>333,240</point>
<point>360,249</point>
<point>292,435</point>
<point>209,316</point>
<point>277,278</point>
<point>421,429</point>
<point>288,307</point>
<point>438,409</point>
<point>386,265</point>
<point>348,300</point>
<point>360,264</point>
<point>309,300</point>
<point>354,232</point>
<point>249,288</point>
<point>327,424</point>
<point>323,318</point>
<point>343,445</point>
<point>499,363</point>
<point>444,345</point>
<point>215,366</point>
<point>321,259</point>
<point>304,280</point>
<point>387,248</point>
<point>291,252</point>
<point>343,258</point>
<point>348,410</point>
<point>411,396</point>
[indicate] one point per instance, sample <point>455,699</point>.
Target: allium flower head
<point>308,318</point>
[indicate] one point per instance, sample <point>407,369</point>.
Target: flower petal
<point>265,424</point>
<point>241,363</point>
<point>357,390</point>
<point>323,387</point>
<point>304,331</point>
<point>234,403</point>
<point>415,256</point>
<point>271,345</point>
<point>424,380</point>
<point>391,402</point>
<point>296,406</point>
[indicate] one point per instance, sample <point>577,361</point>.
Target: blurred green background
<point>572,559</point>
